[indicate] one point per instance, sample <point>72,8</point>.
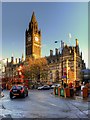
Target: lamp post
<point>61,48</point>
<point>56,41</point>
<point>62,69</point>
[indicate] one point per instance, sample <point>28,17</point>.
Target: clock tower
<point>33,39</point>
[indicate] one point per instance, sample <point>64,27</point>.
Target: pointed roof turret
<point>33,18</point>
<point>22,57</point>
<point>33,25</point>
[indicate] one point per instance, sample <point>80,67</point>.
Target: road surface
<point>42,104</point>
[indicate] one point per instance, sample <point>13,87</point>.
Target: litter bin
<point>85,92</point>
<point>62,92</point>
<point>67,92</point>
<point>71,92</point>
<point>56,90</point>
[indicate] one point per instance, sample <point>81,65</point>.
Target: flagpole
<point>61,46</point>
<point>69,37</point>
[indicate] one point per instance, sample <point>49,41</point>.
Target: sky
<point>45,0</point>
<point>0,30</point>
<point>55,19</point>
<point>88,35</point>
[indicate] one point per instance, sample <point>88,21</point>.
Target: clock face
<point>29,38</point>
<point>36,39</point>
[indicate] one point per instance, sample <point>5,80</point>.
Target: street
<point>42,104</point>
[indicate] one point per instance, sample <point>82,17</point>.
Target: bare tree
<point>36,69</point>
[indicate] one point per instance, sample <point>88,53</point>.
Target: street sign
<point>64,76</point>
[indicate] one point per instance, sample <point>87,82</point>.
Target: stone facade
<point>66,65</point>
<point>11,69</point>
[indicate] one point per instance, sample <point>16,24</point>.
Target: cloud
<point>69,35</point>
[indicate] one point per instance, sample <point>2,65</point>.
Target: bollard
<point>58,91</point>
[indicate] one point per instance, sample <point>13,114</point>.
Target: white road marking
<point>49,103</point>
<point>52,104</point>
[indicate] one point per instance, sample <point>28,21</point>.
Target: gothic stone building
<point>12,66</point>
<point>65,65</point>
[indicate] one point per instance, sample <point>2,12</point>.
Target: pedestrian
<point>65,85</point>
<point>82,86</point>
<point>1,92</point>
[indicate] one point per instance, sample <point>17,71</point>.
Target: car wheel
<point>27,93</point>
<point>11,96</point>
<point>24,95</point>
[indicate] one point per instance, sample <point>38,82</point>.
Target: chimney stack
<point>19,60</point>
<point>51,52</point>
<point>12,59</point>
<point>16,60</point>
<point>77,46</point>
<point>7,61</point>
<point>81,54</point>
<point>77,42</point>
<point>56,51</point>
<point>22,57</point>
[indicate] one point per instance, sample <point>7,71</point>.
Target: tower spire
<point>22,57</point>
<point>33,18</point>
<point>33,25</point>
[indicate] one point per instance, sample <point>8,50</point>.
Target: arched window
<point>51,75</point>
<point>57,76</point>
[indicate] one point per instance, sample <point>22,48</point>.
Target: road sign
<point>64,76</point>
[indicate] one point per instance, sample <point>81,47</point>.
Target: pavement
<point>80,98</point>
<point>1,116</point>
<point>77,98</point>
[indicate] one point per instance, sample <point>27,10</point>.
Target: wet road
<point>42,104</point>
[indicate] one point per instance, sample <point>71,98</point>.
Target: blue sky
<point>0,30</point>
<point>56,21</point>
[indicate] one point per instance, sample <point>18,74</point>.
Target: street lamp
<point>61,48</point>
<point>62,44</point>
<point>59,43</point>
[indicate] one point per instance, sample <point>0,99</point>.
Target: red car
<point>18,91</point>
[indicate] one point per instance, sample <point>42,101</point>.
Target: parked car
<point>55,85</point>
<point>44,87</point>
<point>18,91</point>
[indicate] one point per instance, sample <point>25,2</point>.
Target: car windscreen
<point>45,86</point>
<point>17,87</point>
